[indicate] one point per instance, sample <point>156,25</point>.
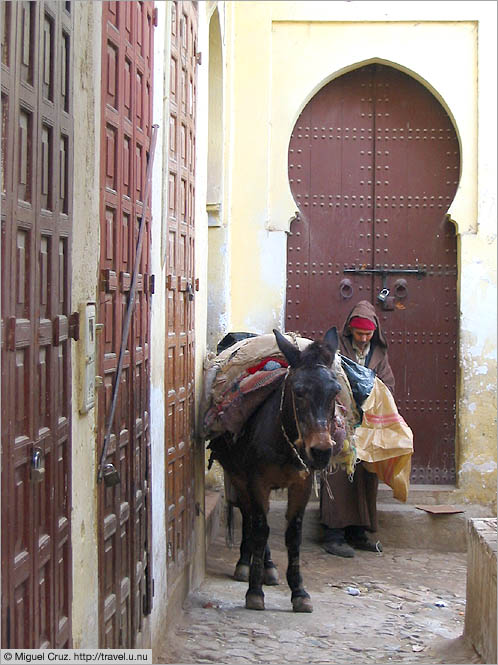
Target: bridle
<point>299,440</point>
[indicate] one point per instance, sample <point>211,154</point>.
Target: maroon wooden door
<point>125,573</point>
<point>373,166</point>
<point>180,289</point>
<point>37,144</point>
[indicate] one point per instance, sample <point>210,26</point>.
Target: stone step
<point>422,494</point>
<point>399,524</point>
<point>404,525</point>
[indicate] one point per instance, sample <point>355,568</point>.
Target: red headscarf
<point>361,323</point>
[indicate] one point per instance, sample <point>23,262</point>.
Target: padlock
<point>382,297</point>
<point>110,475</point>
<point>37,468</point>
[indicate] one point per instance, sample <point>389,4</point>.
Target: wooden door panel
<point>125,566</point>
<point>333,142</point>
<point>180,286</point>
<point>373,166</point>
<point>36,388</point>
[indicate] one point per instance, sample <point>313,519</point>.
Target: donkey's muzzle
<point>320,449</point>
<point>320,458</point>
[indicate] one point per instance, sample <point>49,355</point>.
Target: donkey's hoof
<point>301,604</point>
<point>254,602</point>
<point>271,576</point>
<point>241,573</point>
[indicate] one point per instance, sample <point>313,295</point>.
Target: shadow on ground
<point>410,608</point>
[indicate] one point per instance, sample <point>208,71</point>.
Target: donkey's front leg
<point>298,498</point>
<point>241,573</point>
<point>255,598</point>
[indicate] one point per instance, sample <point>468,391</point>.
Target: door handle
<point>346,289</point>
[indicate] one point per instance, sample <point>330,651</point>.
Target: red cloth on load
<point>260,365</point>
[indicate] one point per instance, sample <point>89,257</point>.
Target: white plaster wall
<point>201,272</point>
<point>201,179</point>
<point>218,291</point>
<point>86,198</point>
<point>477,408</point>
<point>158,320</point>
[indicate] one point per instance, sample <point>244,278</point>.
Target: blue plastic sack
<point>361,379</point>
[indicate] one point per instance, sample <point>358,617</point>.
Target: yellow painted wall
<point>277,55</point>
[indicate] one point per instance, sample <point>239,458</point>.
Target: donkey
<point>284,441</point>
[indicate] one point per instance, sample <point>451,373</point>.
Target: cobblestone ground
<point>410,609</point>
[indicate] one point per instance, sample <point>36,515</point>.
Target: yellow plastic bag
<point>384,442</point>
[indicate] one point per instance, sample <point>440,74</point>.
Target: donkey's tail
<point>229,535</point>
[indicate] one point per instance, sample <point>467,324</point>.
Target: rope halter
<point>299,440</point>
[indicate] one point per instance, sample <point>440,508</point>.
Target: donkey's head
<point>309,397</point>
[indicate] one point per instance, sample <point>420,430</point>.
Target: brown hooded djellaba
<point>377,359</point>
<point>354,504</point>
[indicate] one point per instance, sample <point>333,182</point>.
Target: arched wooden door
<point>373,166</point>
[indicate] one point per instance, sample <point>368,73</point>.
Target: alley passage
<point>410,608</point>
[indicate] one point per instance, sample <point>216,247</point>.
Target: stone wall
<point>480,614</point>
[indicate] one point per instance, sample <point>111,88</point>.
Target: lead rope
<point>325,481</point>
<point>300,438</point>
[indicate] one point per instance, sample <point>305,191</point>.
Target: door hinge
<point>154,17</point>
<point>109,280</point>
<point>198,58</point>
<point>74,326</point>
<point>11,333</point>
<point>61,329</point>
<point>152,284</point>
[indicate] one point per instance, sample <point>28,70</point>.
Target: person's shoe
<point>358,538</point>
<point>334,543</point>
<point>339,549</point>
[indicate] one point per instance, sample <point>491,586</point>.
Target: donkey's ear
<point>291,353</point>
<point>331,339</point>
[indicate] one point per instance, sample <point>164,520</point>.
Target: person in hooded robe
<point>348,512</point>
